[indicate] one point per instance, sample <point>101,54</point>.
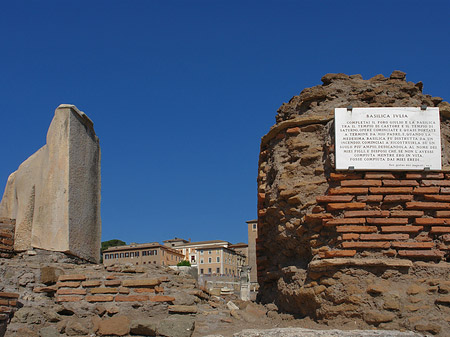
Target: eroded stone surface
<point>55,194</point>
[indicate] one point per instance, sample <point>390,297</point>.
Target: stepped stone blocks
<point>54,196</point>
<point>326,237</point>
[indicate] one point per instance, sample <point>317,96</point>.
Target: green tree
<point>110,243</point>
<point>184,263</point>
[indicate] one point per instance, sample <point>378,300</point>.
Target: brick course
<point>407,213</point>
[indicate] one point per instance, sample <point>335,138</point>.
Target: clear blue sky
<point>181,92</point>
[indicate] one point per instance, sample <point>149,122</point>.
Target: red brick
<point>131,298</point>
<point>369,198</point>
<point>428,175</point>
<point>4,302</point>
<point>72,277</point>
<point>99,298</point>
<point>68,298</point>
<point>145,290</point>
<point>427,205</point>
<point>409,214</point>
<point>337,253</point>
<point>401,229</point>
<point>317,216</point>
<point>390,190</point>
<point>5,247</point>
<point>398,198</point>
<point>104,290</point>
<point>345,206</point>
<point>439,230</point>
<point>8,242</point>
<point>443,214</point>
<point>345,221</point>
<point>350,236</point>
<point>360,183</point>
<point>68,284</point>
<point>8,295</point>
<point>112,283</point>
<point>413,245</point>
<point>348,190</point>
<point>164,279</point>
<point>421,253</point>
<point>162,298</point>
<point>400,183</point>
<point>344,176</point>
<point>432,221</point>
<point>123,290</point>
<point>71,291</point>
<point>379,175</point>
<point>368,245</point>
<point>49,289</point>
<point>293,131</point>
<point>437,197</point>
<point>436,183</point>
<point>356,229</point>
<point>357,214</point>
<point>111,277</point>
<point>388,221</point>
<point>426,190</point>
<point>91,283</point>
<point>334,198</point>
<point>12,303</point>
<point>6,234</point>
<point>445,190</point>
<point>159,290</point>
<point>6,309</point>
<point>390,237</point>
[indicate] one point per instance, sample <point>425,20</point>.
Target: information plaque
<point>387,139</point>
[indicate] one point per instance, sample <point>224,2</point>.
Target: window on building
<point>136,254</point>
<point>201,251</point>
<point>209,252</point>
<point>127,254</point>
<point>201,261</point>
<point>122,255</point>
<point>254,226</point>
<point>201,270</point>
<point>218,271</point>
<point>209,271</point>
<point>144,253</point>
<point>209,260</point>
<point>132,254</point>
<point>218,259</point>
<point>116,256</point>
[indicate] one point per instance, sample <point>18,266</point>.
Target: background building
<point>140,254</point>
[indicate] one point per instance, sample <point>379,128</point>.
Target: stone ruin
<point>52,202</point>
<point>363,246</point>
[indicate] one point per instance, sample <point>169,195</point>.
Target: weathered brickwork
<point>7,227</point>
<point>405,225</point>
<point>8,305</point>
<point>77,287</point>
<point>364,228</point>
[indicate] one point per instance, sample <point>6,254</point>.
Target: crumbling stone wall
<point>326,238</point>
<point>7,228</point>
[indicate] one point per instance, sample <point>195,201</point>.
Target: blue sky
<point>181,92</point>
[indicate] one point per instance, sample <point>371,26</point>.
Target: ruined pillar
<point>54,196</point>
<point>358,246</point>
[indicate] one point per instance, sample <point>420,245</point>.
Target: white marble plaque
<point>387,139</point>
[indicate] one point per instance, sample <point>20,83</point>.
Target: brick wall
<point>7,227</point>
<point>8,304</point>
<point>389,214</point>
<point>78,287</point>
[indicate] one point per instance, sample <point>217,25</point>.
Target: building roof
<point>239,245</point>
<point>141,246</point>
<point>199,243</point>
<point>176,240</point>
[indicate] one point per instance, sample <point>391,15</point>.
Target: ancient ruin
<point>54,197</point>
<point>352,246</point>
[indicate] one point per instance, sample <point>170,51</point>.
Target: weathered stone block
<point>55,194</point>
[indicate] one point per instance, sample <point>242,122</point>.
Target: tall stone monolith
<point>54,196</point>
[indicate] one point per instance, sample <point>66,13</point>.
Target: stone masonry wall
<point>317,225</point>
